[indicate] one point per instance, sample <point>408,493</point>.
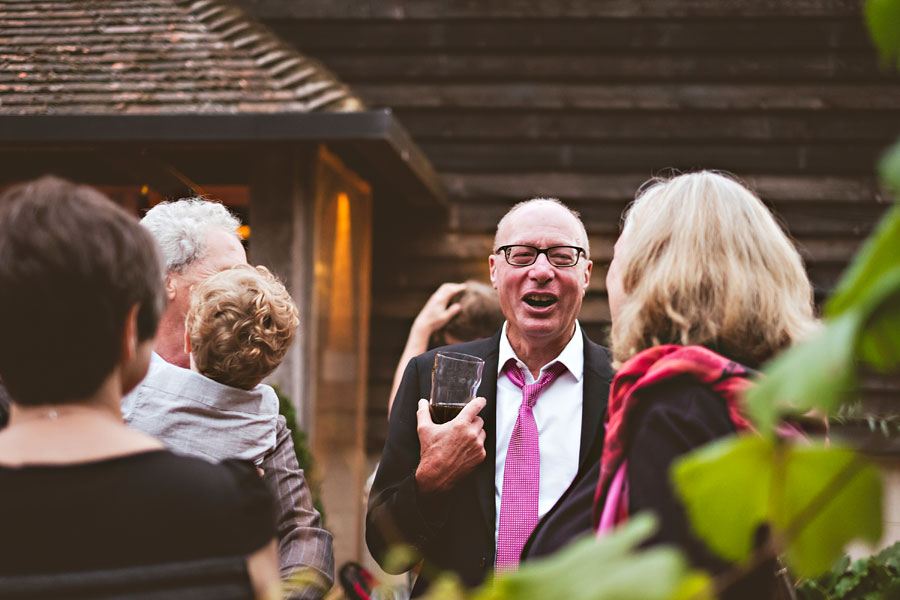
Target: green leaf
<point>400,556</point>
<point>597,569</point>
<point>846,585</point>
<point>816,498</point>
<point>879,342</point>
<point>831,496</point>
<point>878,256</point>
<point>725,488</point>
<point>889,167</point>
<point>816,373</point>
<point>446,587</point>
<point>864,323</point>
<point>695,586</point>
<point>883,20</point>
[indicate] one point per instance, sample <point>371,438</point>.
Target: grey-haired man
<point>198,238</point>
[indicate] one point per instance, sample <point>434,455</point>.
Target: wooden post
<point>282,200</point>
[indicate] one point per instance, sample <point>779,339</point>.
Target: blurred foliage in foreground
<point>871,578</point>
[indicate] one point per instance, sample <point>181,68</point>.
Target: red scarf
<point>652,367</point>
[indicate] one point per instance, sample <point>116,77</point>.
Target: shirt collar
<point>572,356</point>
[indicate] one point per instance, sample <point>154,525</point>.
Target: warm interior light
<point>244,232</point>
<point>341,322</point>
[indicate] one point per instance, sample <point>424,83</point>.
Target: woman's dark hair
<point>72,265</point>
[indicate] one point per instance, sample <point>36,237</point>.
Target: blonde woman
<point>703,288</point>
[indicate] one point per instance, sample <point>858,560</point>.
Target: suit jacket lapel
<point>597,376</point>
<point>484,473</point>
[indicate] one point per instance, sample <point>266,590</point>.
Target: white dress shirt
<point>557,413</point>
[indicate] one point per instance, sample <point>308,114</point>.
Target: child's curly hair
<point>241,322</point>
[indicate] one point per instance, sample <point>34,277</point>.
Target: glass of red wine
<point>455,377</point>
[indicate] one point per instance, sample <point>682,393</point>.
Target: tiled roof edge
<point>312,83</point>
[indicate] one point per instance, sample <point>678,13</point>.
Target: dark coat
<point>454,531</point>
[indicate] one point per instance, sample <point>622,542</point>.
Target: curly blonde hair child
<point>240,325</point>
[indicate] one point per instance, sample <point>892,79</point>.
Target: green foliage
<point>870,291</point>
<point>831,496</point>
<point>889,166</point>
<point>828,356</point>
<point>850,414</point>
<point>816,499</point>
<point>883,20</point>
<point>400,557</point>
<point>863,326</point>
<point>305,458</point>
<point>871,578</point>
<point>725,487</point>
<point>592,569</point>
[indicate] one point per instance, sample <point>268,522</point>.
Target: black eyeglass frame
<point>537,252</point>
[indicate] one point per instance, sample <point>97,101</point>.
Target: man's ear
<point>129,341</point>
<point>493,268</point>
<point>171,287</point>
<point>588,267</point>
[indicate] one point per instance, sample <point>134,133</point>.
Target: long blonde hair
<point>707,264</point>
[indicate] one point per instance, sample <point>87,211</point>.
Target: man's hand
<point>449,451</point>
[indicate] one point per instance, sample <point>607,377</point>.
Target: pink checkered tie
<point>522,473</point>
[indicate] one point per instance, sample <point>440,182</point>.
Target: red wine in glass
<point>441,413</point>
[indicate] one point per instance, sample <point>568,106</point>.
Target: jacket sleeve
<point>398,514</point>
<point>302,542</point>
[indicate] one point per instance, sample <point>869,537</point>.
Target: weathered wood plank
<point>356,66</point>
<point>629,157</point>
<point>531,9</point>
<point>587,35</point>
<point>645,96</point>
<point>602,220</point>
<point>428,125</point>
<point>622,186</point>
<point>835,251</point>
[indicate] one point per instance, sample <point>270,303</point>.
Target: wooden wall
<point>584,101</point>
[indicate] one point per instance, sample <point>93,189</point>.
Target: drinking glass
<point>454,379</point>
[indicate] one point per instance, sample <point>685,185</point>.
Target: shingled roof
<point>154,57</point>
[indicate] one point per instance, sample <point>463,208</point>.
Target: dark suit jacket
<point>454,531</point>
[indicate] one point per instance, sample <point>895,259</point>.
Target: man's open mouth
<point>539,300</point>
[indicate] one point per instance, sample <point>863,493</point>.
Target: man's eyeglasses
<point>519,255</point>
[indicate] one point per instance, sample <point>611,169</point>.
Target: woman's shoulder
<point>686,405</point>
<point>156,497</point>
<point>159,467</point>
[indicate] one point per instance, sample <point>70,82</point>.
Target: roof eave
<point>367,132</point>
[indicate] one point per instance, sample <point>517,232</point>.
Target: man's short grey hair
<point>520,205</point>
<point>180,229</point>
